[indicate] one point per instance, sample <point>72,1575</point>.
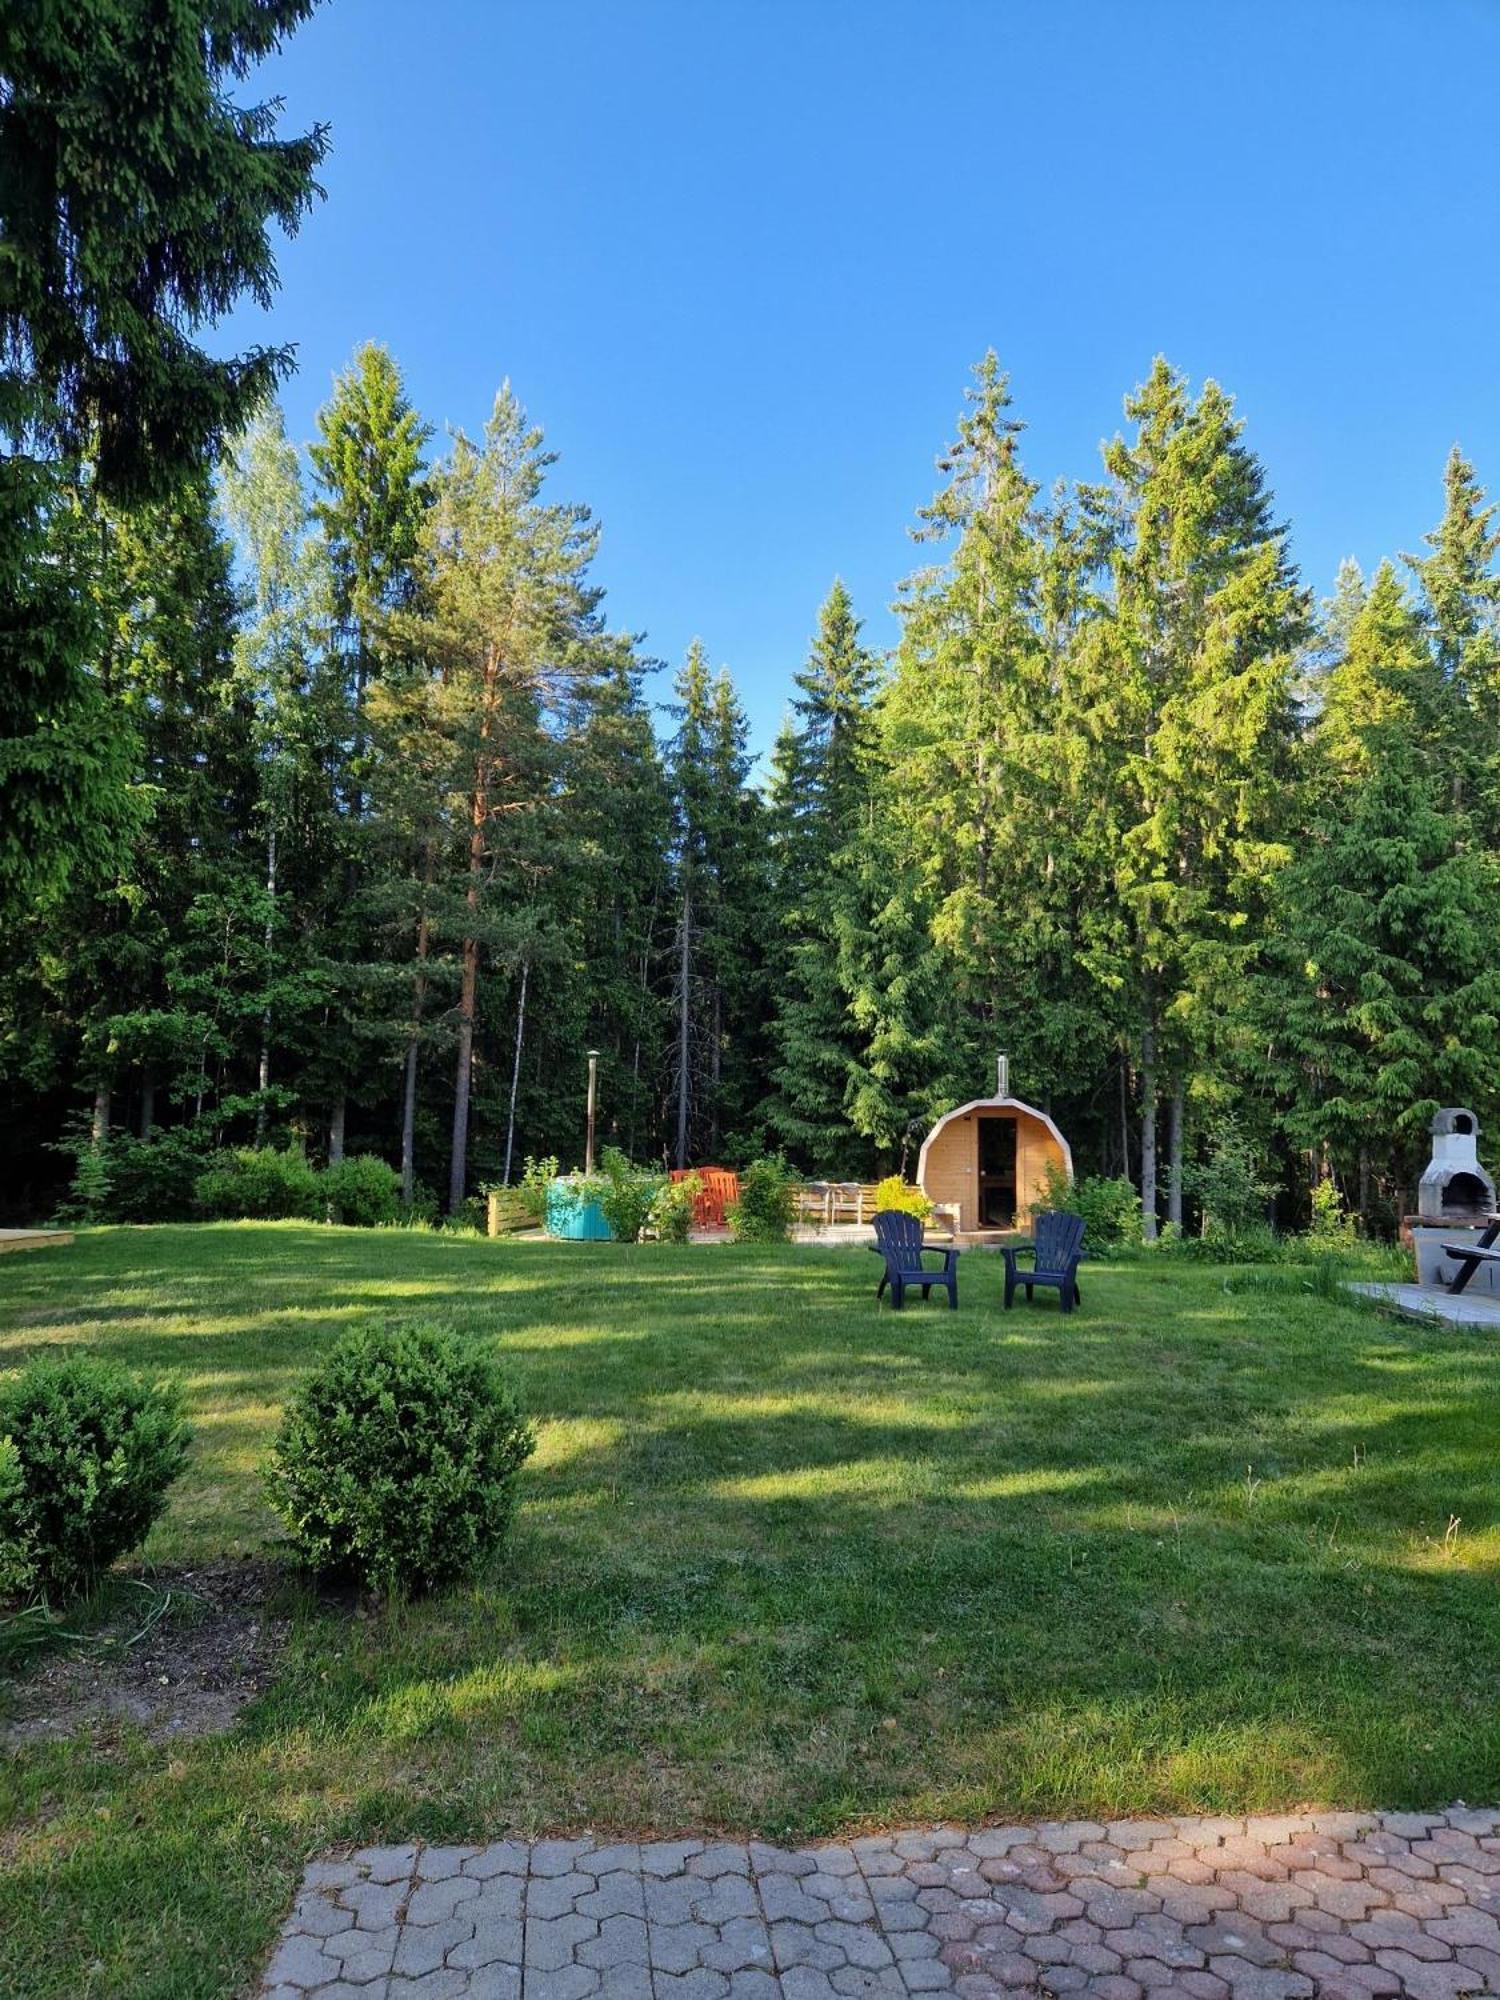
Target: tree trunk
<point>1125,1114</point>
<point>716,1069</point>
<point>1364,1189</point>
<point>263,1082</point>
<point>1174,1154</point>
<point>515,1072</point>
<point>1148,1132</point>
<point>684,965</point>
<point>336,1130</point>
<point>458,1158</point>
<point>479,812</point>
<point>148,1102</point>
<point>99,1125</point>
<point>409,1080</point>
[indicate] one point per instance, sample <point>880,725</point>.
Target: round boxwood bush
<point>396,1463</point>
<point>94,1449</point>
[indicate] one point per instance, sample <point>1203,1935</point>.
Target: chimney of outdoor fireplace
<point>1002,1076</point>
<point>1455,1188</point>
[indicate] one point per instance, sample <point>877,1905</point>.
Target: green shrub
<point>1331,1230</point>
<point>17,1566</point>
<point>1228,1187</point>
<point>536,1177</point>
<point>893,1193</point>
<point>767,1204</point>
<point>1111,1208</point>
<point>260,1183</point>
<point>362,1190</point>
<point>396,1462</point>
<point>97,1449</point>
<point>672,1210</point>
<point>135,1180</point>
<point>626,1195</point>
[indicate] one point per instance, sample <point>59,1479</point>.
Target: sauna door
<point>997,1173</point>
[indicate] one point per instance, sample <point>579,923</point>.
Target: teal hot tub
<point>568,1214</point>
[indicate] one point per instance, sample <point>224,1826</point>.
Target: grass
<point>787,1563</point>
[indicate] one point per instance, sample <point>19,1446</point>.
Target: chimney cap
<point>1454,1118</point>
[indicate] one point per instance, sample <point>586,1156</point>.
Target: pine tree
<point>1184,694</point>
<point>1460,592</point>
<point>368,467</point>
<point>504,605</point>
<point>821,799</point>
<point>135,202</point>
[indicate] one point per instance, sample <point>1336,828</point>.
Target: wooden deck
<point>33,1239</point>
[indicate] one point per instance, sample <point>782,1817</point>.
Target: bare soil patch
<point>177,1658</point>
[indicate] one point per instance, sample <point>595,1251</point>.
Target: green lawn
<point>788,1563</point>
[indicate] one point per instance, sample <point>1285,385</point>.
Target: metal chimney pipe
<point>1002,1076</point>
<point>588,1151</point>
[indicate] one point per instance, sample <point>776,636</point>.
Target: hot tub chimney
<point>1002,1076</point>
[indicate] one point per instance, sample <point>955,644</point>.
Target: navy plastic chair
<point>1054,1254</point>
<point>898,1239</point>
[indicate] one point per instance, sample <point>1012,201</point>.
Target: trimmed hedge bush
<point>258,1183</point>
<point>396,1462</point>
<point>94,1450</point>
<point>362,1190</point>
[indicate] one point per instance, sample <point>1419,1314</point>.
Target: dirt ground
<point>178,1657</point>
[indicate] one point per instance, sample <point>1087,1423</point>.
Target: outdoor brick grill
<point>1455,1188</point>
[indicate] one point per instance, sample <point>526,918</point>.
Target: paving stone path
<point>1327,1904</point>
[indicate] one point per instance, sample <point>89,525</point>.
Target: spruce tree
<point>822,790</point>
<point>136,199</point>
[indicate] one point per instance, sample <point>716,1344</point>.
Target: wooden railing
<point>828,1202</point>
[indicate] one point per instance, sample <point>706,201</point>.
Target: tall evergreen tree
<point>505,602</point>
<point>821,801</point>
<point>136,197</point>
<point>368,470</point>
<point>1185,692</point>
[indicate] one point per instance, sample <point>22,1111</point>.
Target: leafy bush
<point>672,1210</point>
<point>362,1190</point>
<point>396,1462</point>
<point>767,1205</point>
<point>1332,1227</point>
<point>536,1177</point>
<point>96,1448</point>
<point>893,1193</point>
<point>1227,1186</point>
<point>153,1180</point>
<point>17,1568</point>
<point>1110,1207</point>
<point>261,1183</point>
<point>625,1194</point>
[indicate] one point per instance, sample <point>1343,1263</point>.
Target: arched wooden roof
<point>994,1104</point>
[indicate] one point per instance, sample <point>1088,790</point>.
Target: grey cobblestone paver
<point>1331,1906</point>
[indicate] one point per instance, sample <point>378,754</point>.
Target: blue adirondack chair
<point>1054,1254</point>
<point>898,1239</point>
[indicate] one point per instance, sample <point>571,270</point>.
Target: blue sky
<point>738,257</point>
